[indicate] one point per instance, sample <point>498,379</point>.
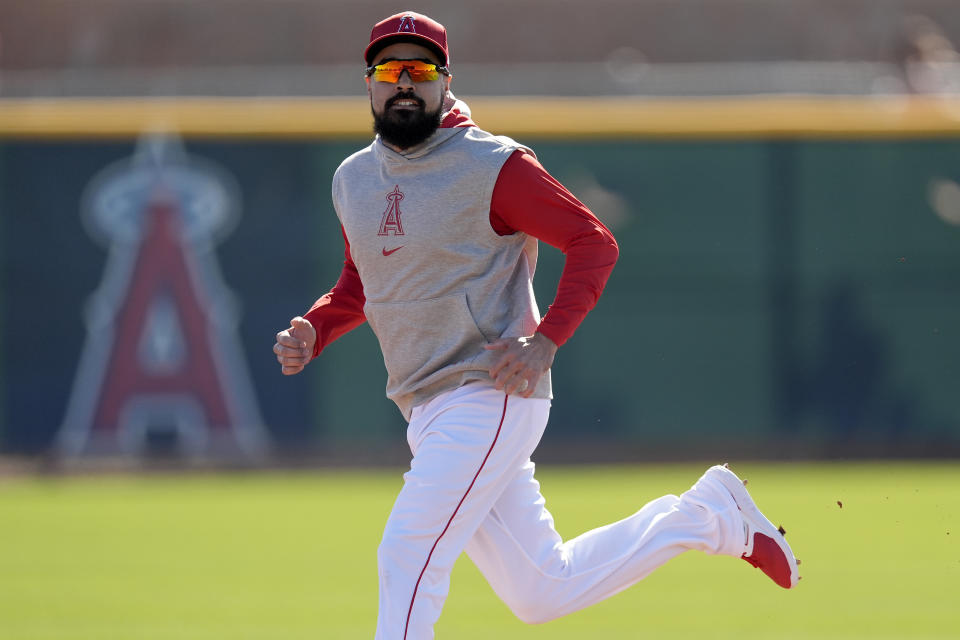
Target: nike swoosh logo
<point>386,253</point>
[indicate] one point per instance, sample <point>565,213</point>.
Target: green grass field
<point>293,556</point>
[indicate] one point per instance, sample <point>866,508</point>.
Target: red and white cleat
<point>766,546</point>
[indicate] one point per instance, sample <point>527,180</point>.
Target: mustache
<point>405,96</point>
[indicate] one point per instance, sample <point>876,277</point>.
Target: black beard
<point>405,128</point>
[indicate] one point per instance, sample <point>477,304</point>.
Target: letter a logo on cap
<point>406,25</point>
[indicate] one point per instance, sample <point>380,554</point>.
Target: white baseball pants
<point>471,487</point>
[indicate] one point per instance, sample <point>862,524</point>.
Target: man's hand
<point>522,362</point>
<point>294,346</point>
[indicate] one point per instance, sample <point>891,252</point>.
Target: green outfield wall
<point>782,290</point>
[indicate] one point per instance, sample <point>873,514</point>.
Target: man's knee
<point>404,553</point>
<point>392,552</point>
<point>531,609</point>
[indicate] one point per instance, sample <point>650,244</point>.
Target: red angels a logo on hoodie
<point>390,223</point>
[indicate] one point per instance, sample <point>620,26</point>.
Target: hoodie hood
<point>456,113</point>
<point>454,118</point>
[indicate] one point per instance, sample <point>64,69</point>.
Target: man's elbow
<point>611,248</point>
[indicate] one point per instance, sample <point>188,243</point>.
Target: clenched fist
<point>294,346</point>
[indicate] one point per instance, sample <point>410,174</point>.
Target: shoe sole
<point>757,522</point>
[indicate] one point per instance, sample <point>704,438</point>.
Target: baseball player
<point>441,221</point>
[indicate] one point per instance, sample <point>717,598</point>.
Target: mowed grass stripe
<point>294,556</point>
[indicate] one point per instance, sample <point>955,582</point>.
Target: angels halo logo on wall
<point>162,369</point>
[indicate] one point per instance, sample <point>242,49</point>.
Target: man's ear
<point>367,80</point>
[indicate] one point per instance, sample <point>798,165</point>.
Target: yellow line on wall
<point>230,117</point>
<point>521,117</point>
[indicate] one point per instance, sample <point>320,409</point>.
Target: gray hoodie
<point>439,283</point>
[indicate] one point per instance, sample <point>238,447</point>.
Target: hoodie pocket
<point>420,337</point>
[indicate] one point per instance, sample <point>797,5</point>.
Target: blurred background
<point>782,177</point>
<point>533,47</point>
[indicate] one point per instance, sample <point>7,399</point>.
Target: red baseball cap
<point>408,27</point>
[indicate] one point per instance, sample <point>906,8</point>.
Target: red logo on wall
<point>162,368</point>
<point>390,222</point>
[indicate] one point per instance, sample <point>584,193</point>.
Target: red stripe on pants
<point>465,494</point>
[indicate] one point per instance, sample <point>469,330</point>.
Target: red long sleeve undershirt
<point>525,198</point>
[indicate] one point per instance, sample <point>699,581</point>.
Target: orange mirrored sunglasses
<point>419,70</point>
